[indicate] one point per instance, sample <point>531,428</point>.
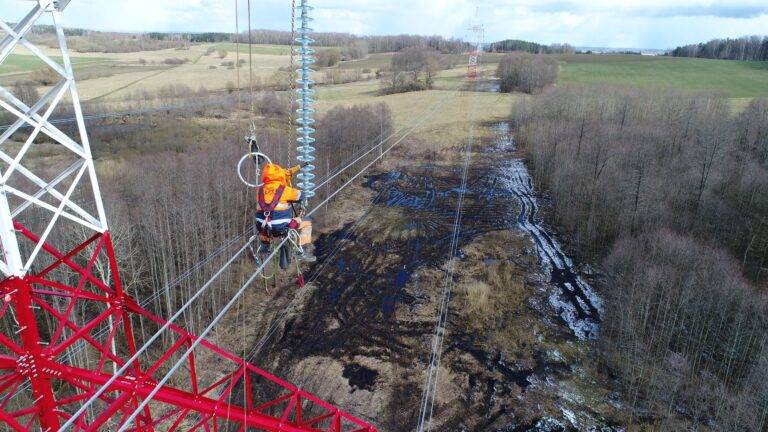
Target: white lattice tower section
<point>22,187</point>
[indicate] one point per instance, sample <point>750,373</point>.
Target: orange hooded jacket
<point>273,176</point>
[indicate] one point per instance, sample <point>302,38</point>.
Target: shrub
<point>356,50</point>
<point>175,61</point>
<point>26,91</point>
<point>45,76</point>
<point>327,57</point>
<point>270,103</point>
<point>142,61</point>
<point>528,73</point>
<point>223,54</point>
<point>413,69</point>
<point>342,76</point>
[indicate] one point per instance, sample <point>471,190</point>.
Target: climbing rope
<point>250,60</point>
<point>291,84</point>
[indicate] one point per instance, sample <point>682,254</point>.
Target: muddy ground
<point>359,334</point>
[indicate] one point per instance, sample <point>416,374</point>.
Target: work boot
<point>306,257</point>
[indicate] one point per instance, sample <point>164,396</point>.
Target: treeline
<point>511,45</point>
<point>375,44</point>
<point>671,189</point>
<point>112,42</point>
<point>96,41</point>
<point>748,48</point>
<point>39,29</point>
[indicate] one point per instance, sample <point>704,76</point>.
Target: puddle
<point>576,301</point>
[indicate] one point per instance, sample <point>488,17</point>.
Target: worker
<point>275,215</point>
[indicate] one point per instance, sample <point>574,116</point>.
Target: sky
<point>649,24</point>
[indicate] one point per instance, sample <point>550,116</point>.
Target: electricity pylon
<point>67,323</point>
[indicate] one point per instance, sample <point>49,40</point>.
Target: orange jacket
<point>273,176</point>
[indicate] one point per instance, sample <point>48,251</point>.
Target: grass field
<point>373,61</point>
<point>115,75</point>
<point>276,50</point>
<point>733,78</point>
<point>19,63</point>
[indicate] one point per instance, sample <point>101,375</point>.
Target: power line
<point>239,293</point>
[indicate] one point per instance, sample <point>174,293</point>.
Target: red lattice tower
<point>68,324</point>
<point>478,34</point>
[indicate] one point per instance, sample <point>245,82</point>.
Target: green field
<point>17,63</point>
<point>279,50</point>
<point>255,49</point>
<point>734,78</point>
<point>373,62</point>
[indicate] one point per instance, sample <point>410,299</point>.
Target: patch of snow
<point>549,424</point>
<point>570,416</point>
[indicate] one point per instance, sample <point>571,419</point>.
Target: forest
<point>748,48</point>
<point>511,45</point>
<point>668,190</point>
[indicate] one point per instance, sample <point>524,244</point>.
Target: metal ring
<point>240,167</point>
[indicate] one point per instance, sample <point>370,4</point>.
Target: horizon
<point>633,24</point>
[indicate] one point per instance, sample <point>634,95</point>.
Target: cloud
<point>613,23</point>
<point>715,10</point>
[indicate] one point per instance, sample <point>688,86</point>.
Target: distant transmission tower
<point>477,31</point>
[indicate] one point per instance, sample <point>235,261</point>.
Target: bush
<point>327,57</point>
<point>26,91</point>
<point>413,69</point>
<point>342,76</point>
<point>356,50</point>
<point>345,130</point>
<point>527,73</point>
<point>175,61</point>
<point>142,61</point>
<point>223,54</point>
<point>270,103</point>
<point>45,76</point>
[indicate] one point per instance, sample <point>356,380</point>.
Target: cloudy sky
<point>596,23</point>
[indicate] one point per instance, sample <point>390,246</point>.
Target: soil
<point>359,334</point>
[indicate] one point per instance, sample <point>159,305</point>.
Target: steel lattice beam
<point>67,323</point>
<point>198,400</point>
